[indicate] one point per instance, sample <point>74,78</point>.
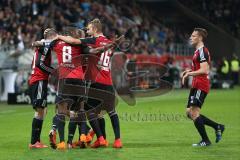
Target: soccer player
<point>100,75</point>
<point>71,74</point>
<point>38,82</point>
<point>200,87</point>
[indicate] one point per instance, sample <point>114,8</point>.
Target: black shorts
<point>71,87</point>
<point>196,98</point>
<point>74,102</point>
<point>38,93</point>
<point>100,95</point>
<point>71,91</point>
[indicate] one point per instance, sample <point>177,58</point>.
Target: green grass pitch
<point>156,128</point>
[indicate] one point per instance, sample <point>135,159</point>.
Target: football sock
<point>87,128</point>
<point>39,126</point>
<point>34,131</point>
<point>95,125</point>
<point>201,128</point>
<point>36,127</point>
<point>82,128</point>
<point>115,125</point>
<point>71,130</point>
<point>79,129</point>
<point>209,122</point>
<point>54,122</point>
<point>61,126</point>
<point>82,123</point>
<point>102,126</point>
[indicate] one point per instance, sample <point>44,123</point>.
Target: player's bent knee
<point>39,114</point>
<point>72,114</point>
<point>189,115</point>
<point>62,109</point>
<point>194,115</point>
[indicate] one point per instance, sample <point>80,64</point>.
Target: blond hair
<point>96,23</point>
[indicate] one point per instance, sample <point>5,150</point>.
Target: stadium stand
<point>151,34</point>
<point>222,13</point>
<point>21,22</point>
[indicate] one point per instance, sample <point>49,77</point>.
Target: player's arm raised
<point>100,49</point>
<point>37,44</point>
<point>76,41</point>
<point>69,39</point>
<point>41,61</point>
<point>105,47</point>
<point>43,42</point>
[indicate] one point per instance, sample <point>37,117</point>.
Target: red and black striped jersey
<point>41,65</point>
<point>69,59</point>
<point>201,82</point>
<point>98,69</point>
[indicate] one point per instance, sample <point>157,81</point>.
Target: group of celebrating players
<point>84,90</point>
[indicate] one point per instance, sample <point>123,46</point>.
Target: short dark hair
<point>202,32</point>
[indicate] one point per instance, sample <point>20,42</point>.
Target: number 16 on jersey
<point>104,61</point>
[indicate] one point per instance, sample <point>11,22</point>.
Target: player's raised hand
<point>37,43</point>
<point>55,38</point>
<point>114,42</point>
<point>118,40</point>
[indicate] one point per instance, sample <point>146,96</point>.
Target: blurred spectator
<point>22,22</point>
<point>235,69</point>
<point>223,13</point>
<point>225,69</point>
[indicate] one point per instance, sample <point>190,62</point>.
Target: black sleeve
<point>86,50</point>
<point>49,44</point>
<point>203,56</point>
<point>44,53</point>
<point>89,40</point>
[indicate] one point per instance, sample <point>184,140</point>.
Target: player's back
<point>69,60</point>
<point>37,74</point>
